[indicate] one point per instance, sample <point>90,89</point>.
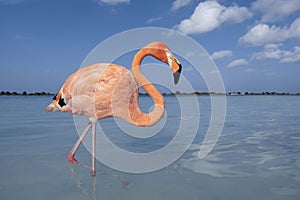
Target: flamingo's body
<point>104,90</point>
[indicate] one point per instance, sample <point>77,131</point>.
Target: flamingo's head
<point>162,52</point>
<point>57,104</point>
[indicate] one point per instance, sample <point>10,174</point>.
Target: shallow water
<point>256,156</point>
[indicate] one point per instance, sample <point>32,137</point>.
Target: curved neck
<point>139,118</point>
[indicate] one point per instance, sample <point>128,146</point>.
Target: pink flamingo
<point>104,90</point>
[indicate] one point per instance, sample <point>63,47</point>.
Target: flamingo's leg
<point>75,147</point>
<point>93,173</point>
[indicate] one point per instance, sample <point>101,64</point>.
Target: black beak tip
<point>176,75</point>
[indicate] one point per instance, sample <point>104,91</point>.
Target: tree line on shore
<point>8,93</point>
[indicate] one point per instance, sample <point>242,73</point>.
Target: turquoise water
<point>256,157</point>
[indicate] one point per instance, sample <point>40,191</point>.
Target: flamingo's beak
<point>176,74</point>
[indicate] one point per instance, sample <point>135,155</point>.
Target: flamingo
<point>105,90</point>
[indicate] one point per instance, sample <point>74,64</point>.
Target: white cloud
<point>154,19</point>
<point>209,15</point>
<point>179,3</point>
<point>237,63</point>
<point>294,30</point>
<point>262,34</point>
<point>221,54</point>
<point>273,51</point>
<point>113,2</point>
<point>273,10</point>
<point>292,56</point>
<point>235,14</point>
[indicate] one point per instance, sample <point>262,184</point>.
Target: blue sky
<point>255,44</point>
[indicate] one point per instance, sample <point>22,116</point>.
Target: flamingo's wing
<point>90,90</point>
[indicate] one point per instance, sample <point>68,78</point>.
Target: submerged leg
<point>93,148</point>
<point>75,147</point>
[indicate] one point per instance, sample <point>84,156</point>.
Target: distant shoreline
<point>8,93</point>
